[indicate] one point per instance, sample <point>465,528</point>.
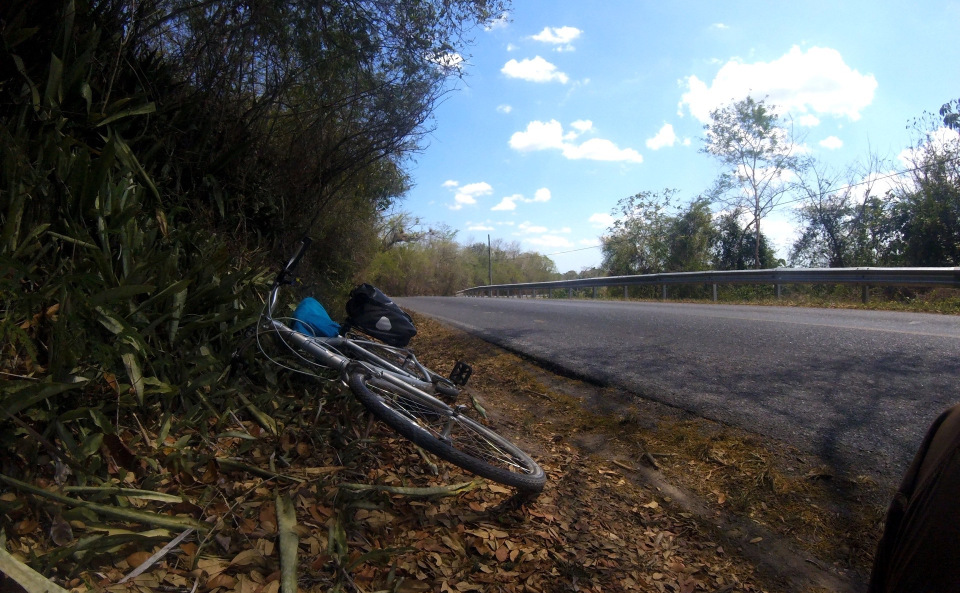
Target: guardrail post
<point>569,293</point>
<point>625,292</point>
<point>778,291</point>
<point>865,296</point>
<point>594,295</point>
<point>714,293</point>
<point>663,292</point>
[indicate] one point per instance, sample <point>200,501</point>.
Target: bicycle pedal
<point>461,373</point>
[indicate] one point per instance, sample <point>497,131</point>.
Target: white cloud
<point>498,23</point>
<point>467,195</point>
<point>558,35</point>
<point>665,137</point>
<point>831,143</point>
<point>550,241</point>
<point>550,135</point>
<point>561,37</point>
<point>719,26</point>
<point>504,108</point>
<point>526,227</point>
<point>816,82</point>
<point>938,140</point>
<point>782,232</point>
<point>535,70</point>
<point>601,220</point>
<point>582,125</point>
<point>538,136</point>
<point>448,62</point>
<point>480,227</point>
<point>944,137</point>
<point>508,203</point>
<point>808,120</point>
<point>542,236</point>
<point>598,149</point>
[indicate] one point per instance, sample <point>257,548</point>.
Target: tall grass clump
<point>112,302</point>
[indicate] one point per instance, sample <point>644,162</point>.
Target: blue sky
<point>567,107</point>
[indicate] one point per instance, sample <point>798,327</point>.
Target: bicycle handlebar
<point>304,245</point>
<point>294,261</point>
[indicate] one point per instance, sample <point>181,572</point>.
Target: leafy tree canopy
<point>760,160</point>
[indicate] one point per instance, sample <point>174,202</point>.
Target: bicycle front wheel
<point>447,433</point>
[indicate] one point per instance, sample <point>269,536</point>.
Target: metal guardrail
<point>865,277</point>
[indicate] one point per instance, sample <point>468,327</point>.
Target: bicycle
<point>404,394</point>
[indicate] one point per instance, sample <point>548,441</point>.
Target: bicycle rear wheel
<point>446,432</point>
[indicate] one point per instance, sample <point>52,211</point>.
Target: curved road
<point>859,388</point>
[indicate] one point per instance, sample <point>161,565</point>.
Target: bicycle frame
<point>327,350</point>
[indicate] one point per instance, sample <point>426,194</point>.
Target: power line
<point>573,250</point>
<point>779,204</point>
<point>536,254</point>
<point>795,200</point>
<point>874,180</point>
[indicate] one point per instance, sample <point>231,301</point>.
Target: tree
<point>432,263</point>
<point>760,158</point>
<point>842,222</point>
<point>950,112</point>
<point>637,241</point>
<point>287,111</point>
<point>690,237</point>
<point>927,209</point>
<point>735,247</point>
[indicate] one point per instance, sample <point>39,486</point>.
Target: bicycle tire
<point>467,444</point>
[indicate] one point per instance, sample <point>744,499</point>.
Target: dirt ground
<point>639,497</point>
<point>765,513</point>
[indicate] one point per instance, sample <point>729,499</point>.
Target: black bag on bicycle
<point>373,313</point>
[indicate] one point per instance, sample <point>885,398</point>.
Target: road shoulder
<point>774,516</point>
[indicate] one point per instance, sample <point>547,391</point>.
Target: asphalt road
<point>859,388</point>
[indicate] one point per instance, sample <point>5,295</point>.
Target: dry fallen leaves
<point>591,529</point>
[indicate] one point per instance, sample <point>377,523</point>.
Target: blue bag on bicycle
<point>312,319</point>
<point>373,313</point>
